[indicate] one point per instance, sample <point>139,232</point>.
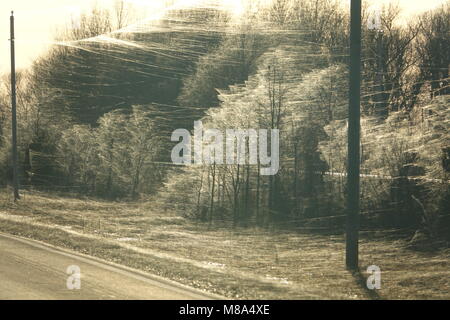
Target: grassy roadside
<point>247,263</point>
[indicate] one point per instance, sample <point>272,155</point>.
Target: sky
<point>36,21</point>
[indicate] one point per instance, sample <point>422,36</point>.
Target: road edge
<point>112,266</point>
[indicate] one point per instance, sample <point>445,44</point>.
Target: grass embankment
<point>245,263</point>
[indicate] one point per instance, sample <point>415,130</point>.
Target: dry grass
<point>244,263</point>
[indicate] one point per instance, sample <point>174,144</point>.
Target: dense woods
<point>96,113</point>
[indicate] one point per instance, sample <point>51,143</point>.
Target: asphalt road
<point>32,270</point>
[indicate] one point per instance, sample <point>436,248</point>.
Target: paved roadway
<point>33,270</point>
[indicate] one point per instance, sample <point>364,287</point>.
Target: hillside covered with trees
<point>97,112</point>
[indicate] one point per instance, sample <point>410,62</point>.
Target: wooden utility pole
<point>353,165</point>
<point>14,113</point>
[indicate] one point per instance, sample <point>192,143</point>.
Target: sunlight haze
<point>37,21</point>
